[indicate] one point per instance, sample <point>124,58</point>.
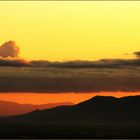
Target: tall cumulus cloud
<point>9,49</point>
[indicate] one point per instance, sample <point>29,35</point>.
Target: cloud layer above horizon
<point>21,75</point>
<point>66,80</point>
<point>9,56</point>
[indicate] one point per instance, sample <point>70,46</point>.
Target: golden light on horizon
<point>86,30</point>
<point>44,98</point>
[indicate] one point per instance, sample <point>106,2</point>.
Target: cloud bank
<point>58,80</point>
<point>104,63</point>
<point>65,77</point>
<point>13,62</point>
<point>137,54</point>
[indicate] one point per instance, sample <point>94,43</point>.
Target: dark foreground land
<point>68,131</point>
<point>99,117</point>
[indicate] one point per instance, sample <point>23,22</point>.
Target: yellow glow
<point>72,30</point>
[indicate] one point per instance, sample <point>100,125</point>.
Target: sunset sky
<point>37,98</point>
<point>67,30</point>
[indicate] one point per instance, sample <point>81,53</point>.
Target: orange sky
<point>41,98</point>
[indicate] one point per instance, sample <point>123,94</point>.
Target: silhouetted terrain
<point>11,108</point>
<point>99,117</point>
<point>96,110</point>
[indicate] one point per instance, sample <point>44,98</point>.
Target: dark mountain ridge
<point>99,117</point>
<point>97,110</point>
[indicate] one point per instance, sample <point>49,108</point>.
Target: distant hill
<point>99,117</point>
<point>97,110</point>
<point>11,108</point>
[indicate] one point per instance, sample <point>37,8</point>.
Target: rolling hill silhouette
<point>97,110</point>
<point>8,108</point>
<point>99,117</point>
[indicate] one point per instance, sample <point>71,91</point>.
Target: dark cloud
<point>104,63</point>
<point>58,80</point>
<point>66,85</point>
<point>9,49</point>
<point>40,63</point>
<point>13,62</point>
<point>137,54</point>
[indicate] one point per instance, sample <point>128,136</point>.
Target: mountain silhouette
<point>98,117</point>
<point>8,108</point>
<point>97,110</point>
